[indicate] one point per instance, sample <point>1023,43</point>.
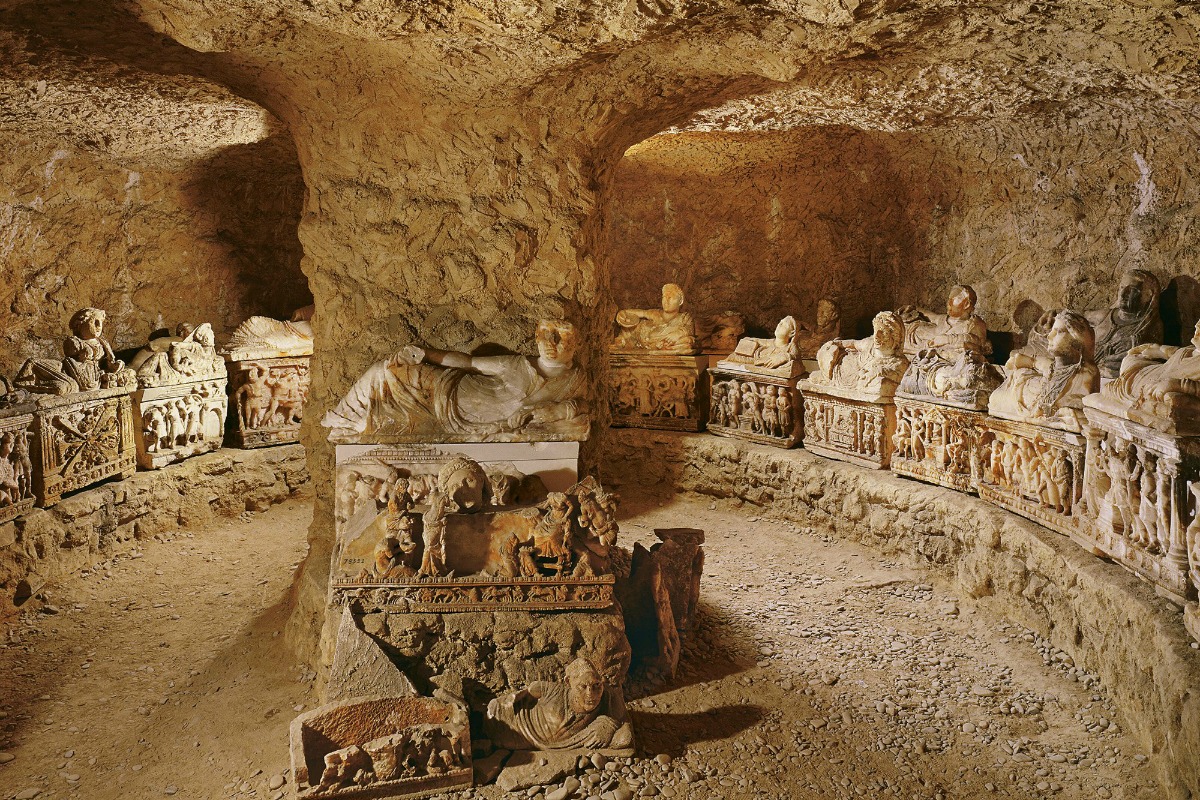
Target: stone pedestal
<point>847,426</point>
<point>267,399</point>
<point>936,443</point>
<point>1136,499</point>
<point>179,421</point>
<point>16,462</point>
<point>765,419</point>
<point>1034,471</point>
<point>658,390</point>
<point>81,439</point>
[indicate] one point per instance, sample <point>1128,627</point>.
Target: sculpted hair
<point>581,668</point>
<point>1081,332</point>
<point>85,315</point>
<point>962,287</point>
<point>1147,283</point>
<point>889,324</point>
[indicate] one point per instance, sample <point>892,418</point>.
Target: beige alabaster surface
<point>863,369</point>
<point>668,329</point>
<point>949,353</point>
<point>423,394</point>
<point>1133,320</point>
<point>1049,389</point>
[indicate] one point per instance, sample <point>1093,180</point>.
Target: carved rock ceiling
<point>147,79</point>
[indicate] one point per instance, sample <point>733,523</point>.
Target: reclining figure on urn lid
<point>665,330</point>
<point>88,362</point>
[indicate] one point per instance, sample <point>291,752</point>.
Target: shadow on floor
<point>660,732</point>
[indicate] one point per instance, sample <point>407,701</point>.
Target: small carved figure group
<point>16,468</point>
<point>1131,488</point>
<point>181,421</point>
<point>641,393</point>
<point>1033,469</point>
<point>942,439</point>
<point>271,397</point>
<point>416,751</point>
<point>757,407</point>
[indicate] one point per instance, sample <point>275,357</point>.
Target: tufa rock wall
<point>214,241</point>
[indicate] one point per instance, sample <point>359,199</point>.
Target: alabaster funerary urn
<point>1142,480</point>
<point>16,460</point>
<point>657,371</point>
<point>83,429</point>
<point>849,408</point>
<point>943,396</point>
<point>753,392</point>
<point>1031,451</point>
<point>268,365</point>
<point>181,402</point>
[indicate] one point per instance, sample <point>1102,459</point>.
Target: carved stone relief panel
<point>179,421</point>
<point>16,461</point>
<point>848,429</point>
<point>81,439</point>
<point>267,400</point>
<point>1139,509</point>
<point>746,404</point>
<point>1034,471</point>
<point>658,390</point>
<point>936,444</point>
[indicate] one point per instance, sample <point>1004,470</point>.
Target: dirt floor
<point>818,670</point>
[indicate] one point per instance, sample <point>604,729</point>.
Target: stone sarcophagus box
<point>841,426</point>
<point>936,443</point>
<point>81,439</point>
<point>181,402</point>
<point>16,460</point>
<point>377,747</point>
<point>268,363</point>
<point>658,390</point>
<point>1033,470</point>
<point>753,404</point>
<point>1137,504</point>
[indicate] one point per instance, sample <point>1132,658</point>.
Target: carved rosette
<point>82,439</point>
<point>847,429</point>
<point>179,421</point>
<point>746,404</point>
<point>1034,471</point>
<point>267,397</point>
<point>937,444</point>
<point>1138,507</point>
<point>16,463</point>
<point>659,390</point>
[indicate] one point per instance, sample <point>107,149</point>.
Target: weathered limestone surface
<point>1111,623</point>
<point>95,524</point>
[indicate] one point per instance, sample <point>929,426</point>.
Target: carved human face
<point>556,341</point>
<point>90,326</point>
<point>959,304</point>
<point>672,298</point>
<point>1196,335</point>
<point>585,692</point>
<point>1129,294</point>
<point>785,330</point>
<point>826,313</point>
<point>1060,341</point>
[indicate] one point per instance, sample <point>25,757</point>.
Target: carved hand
<point>407,356</point>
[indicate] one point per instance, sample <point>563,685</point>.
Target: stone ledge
<point>94,524</point>
<point>1110,622</point>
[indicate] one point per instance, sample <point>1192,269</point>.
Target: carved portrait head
<point>463,482</point>
<point>827,313</point>
<point>960,303</point>
<point>785,331</point>
<point>88,323</point>
<point>1138,291</point>
<point>556,340</point>
<point>1071,337</point>
<point>585,686</point>
<point>672,297</point>
<point>888,332</point>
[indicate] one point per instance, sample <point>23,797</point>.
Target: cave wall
<point>207,241</point>
<point>1045,211</point>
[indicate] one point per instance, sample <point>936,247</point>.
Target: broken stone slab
<point>362,668</point>
<point>526,768</point>
<point>377,747</point>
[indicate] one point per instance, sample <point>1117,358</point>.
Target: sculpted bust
<point>581,713</point>
<point>665,330</point>
<point>1133,321</point>
<point>422,392</point>
<point>1049,389</point>
<point>871,366</point>
<point>950,357</point>
<point>1158,386</point>
<point>88,364</point>
<point>774,353</point>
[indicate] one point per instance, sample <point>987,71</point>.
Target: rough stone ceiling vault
<point>80,71</point>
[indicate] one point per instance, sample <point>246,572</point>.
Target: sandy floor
<point>819,670</point>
